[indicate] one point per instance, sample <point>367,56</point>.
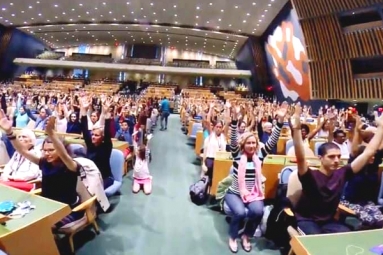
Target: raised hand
<point>295,119</point>
<point>5,123</point>
<point>84,103</point>
<point>50,126</point>
<point>282,111</point>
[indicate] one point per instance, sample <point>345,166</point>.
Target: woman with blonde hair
<point>244,198</point>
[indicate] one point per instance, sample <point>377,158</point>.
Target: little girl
<point>141,175</point>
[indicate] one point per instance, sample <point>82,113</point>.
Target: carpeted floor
<point>166,222</point>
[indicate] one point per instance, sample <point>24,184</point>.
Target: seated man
<point>124,135</point>
<point>322,188</point>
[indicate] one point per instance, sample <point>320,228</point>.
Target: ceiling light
<point>30,7</point>
<point>104,3</point>
<point>175,15</point>
<point>135,19</point>
<point>21,11</point>
<point>132,12</point>
<point>260,20</point>
<point>222,10</point>
<point>248,14</point>
<point>164,9</point>
<point>175,6</point>
<point>196,24</point>
<point>13,15</point>
<point>266,10</point>
<point>244,21</point>
<point>127,3</point>
<point>151,4</point>
<point>56,5</point>
<point>80,4</point>
<point>196,17</point>
<point>142,8</point>
<point>64,13</point>
<point>197,7</point>
<point>229,25</point>
<point>219,19</point>
<point>254,3</point>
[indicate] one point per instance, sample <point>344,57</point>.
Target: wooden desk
<point>221,170</point>
<point>116,144</point>
<point>351,243</point>
<point>272,166</point>
<point>31,234</point>
<point>198,143</point>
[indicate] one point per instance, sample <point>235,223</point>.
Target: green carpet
<point>166,222</point>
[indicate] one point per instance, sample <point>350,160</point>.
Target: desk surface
<point>352,243</point>
<point>44,208</point>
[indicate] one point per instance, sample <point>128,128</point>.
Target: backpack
<point>198,191</point>
<point>278,221</point>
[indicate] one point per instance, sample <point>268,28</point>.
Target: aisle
<point>166,222</point>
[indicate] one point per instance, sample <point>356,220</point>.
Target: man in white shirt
<point>340,138</point>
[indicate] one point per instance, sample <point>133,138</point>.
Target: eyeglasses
<point>48,151</point>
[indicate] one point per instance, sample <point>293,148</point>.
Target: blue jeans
<point>309,227</point>
<point>239,211</point>
<point>164,116</point>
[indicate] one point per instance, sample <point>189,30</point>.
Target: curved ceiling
<point>188,23</point>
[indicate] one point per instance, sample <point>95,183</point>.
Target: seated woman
<point>141,175</point>
<point>19,170</point>
<point>99,143</point>
<point>59,170</point>
<point>214,143</point>
<point>245,196</point>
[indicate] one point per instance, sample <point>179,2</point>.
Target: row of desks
<point>32,234</point>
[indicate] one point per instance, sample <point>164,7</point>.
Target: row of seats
<point>290,144</point>
<point>140,61</point>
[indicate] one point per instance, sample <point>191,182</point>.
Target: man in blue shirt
<point>165,111</point>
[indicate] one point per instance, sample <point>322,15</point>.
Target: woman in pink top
<point>141,175</point>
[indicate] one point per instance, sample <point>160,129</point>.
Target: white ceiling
<point>128,21</point>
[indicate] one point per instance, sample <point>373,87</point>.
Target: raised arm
<point>370,149</point>
<point>6,125</point>
<point>108,122</point>
<point>298,141</point>
<point>274,137</point>
<point>234,139</point>
<point>59,146</point>
<point>84,105</point>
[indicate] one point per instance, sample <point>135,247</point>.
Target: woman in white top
<point>19,170</point>
<point>214,143</point>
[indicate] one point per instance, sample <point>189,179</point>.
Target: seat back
<point>117,164</point>
<point>289,144</point>
<point>380,196</point>
<point>317,145</point>
<point>284,176</point>
<point>84,196</point>
<point>294,188</point>
<point>196,127</point>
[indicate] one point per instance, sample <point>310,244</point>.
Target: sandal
<point>232,249</point>
<point>247,248</point>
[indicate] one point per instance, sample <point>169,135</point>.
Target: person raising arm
<point>322,188</point>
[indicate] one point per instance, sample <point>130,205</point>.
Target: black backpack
<point>198,191</point>
<point>278,221</point>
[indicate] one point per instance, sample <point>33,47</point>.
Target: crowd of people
<point>35,153</point>
<point>250,129</point>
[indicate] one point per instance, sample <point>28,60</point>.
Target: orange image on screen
<point>289,56</point>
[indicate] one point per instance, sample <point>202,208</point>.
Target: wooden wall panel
<point>330,49</point>
<point>260,63</point>
<point>317,8</point>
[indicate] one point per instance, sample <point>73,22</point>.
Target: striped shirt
<point>250,175</point>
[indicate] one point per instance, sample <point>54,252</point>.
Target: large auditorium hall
<point>167,127</point>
